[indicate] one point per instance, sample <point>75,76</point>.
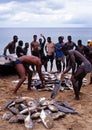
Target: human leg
<point>21,71</point>
<point>77,81</point>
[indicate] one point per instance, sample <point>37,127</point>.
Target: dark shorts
<point>87,67</point>
<point>50,57</point>
<point>35,53</point>
<point>17,62</point>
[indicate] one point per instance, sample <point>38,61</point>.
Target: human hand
<point>62,77</point>
<point>41,35</point>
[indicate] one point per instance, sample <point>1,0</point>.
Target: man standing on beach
<point>50,50</point>
<point>11,46</point>
<point>34,47</point>
<point>42,53</point>
<point>70,45</point>
<point>22,66</point>
<point>77,73</point>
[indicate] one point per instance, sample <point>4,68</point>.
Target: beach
<point>83,121</point>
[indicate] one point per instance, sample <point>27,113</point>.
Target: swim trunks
<point>17,62</point>
<point>87,67</point>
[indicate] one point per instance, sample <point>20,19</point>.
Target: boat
<point>6,65</point>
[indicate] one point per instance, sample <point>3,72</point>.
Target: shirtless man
<point>88,55</point>
<point>42,53</point>
<point>19,50</point>
<point>50,50</point>
<point>22,66</point>
<point>11,46</point>
<point>34,45</point>
<point>79,73</point>
<point>70,45</point>
<point>80,47</point>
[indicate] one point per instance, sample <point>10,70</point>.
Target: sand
<point>69,122</point>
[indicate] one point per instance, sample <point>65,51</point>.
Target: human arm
<point>44,39</point>
<point>46,49</point>
<point>38,67</point>
<point>5,49</point>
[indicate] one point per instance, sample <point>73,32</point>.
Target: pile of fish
<point>52,81</point>
<point>28,111</point>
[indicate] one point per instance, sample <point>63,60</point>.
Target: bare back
<point>30,60</point>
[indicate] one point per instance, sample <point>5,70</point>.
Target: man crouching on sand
<point>22,66</point>
<point>79,73</point>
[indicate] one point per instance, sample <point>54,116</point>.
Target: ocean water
<point>26,34</point>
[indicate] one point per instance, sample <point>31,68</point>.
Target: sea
<point>26,34</point>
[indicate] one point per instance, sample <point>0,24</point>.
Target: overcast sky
<point>46,13</point>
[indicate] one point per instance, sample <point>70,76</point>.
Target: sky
<point>45,13</point>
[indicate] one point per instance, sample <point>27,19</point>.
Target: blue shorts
<point>17,62</point>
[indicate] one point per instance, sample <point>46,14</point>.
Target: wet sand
<point>69,122</point>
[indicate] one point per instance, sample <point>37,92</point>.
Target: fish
<point>31,109</point>
<point>49,112</point>
<point>13,119</point>
<point>66,104</point>
<point>35,115</point>
<point>14,110</point>
<point>52,108</point>
<point>28,122</point>
<point>55,90</point>
<point>22,107</point>
<point>7,115</point>
<point>19,100</point>
<point>64,109</point>
<point>21,118</point>
<point>58,115</point>
<point>46,119</point>
<point>9,103</point>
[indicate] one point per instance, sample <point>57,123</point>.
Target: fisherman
<point>11,46</point>
<point>77,73</point>
<point>26,47</point>
<point>50,50</point>
<point>34,47</point>
<point>59,56</point>
<point>19,50</point>
<point>88,55</point>
<point>41,50</point>
<point>22,66</point>
<point>70,45</point>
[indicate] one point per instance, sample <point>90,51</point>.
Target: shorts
<point>50,57</point>
<point>87,67</point>
<point>17,62</point>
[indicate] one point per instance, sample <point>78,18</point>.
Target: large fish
<point>28,122</point>
<point>46,119</point>
<point>64,109</point>
<point>66,104</point>
<point>55,90</point>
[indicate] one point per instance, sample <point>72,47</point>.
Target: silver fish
<point>64,109</point>
<point>46,119</point>
<point>14,110</point>
<point>58,115</point>
<point>31,109</point>
<point>28,122</point>
<point>13,119</point>
<point>52,108</point>
<point>9,104</point>
<point>7,115</point>
<point>35,115</point>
